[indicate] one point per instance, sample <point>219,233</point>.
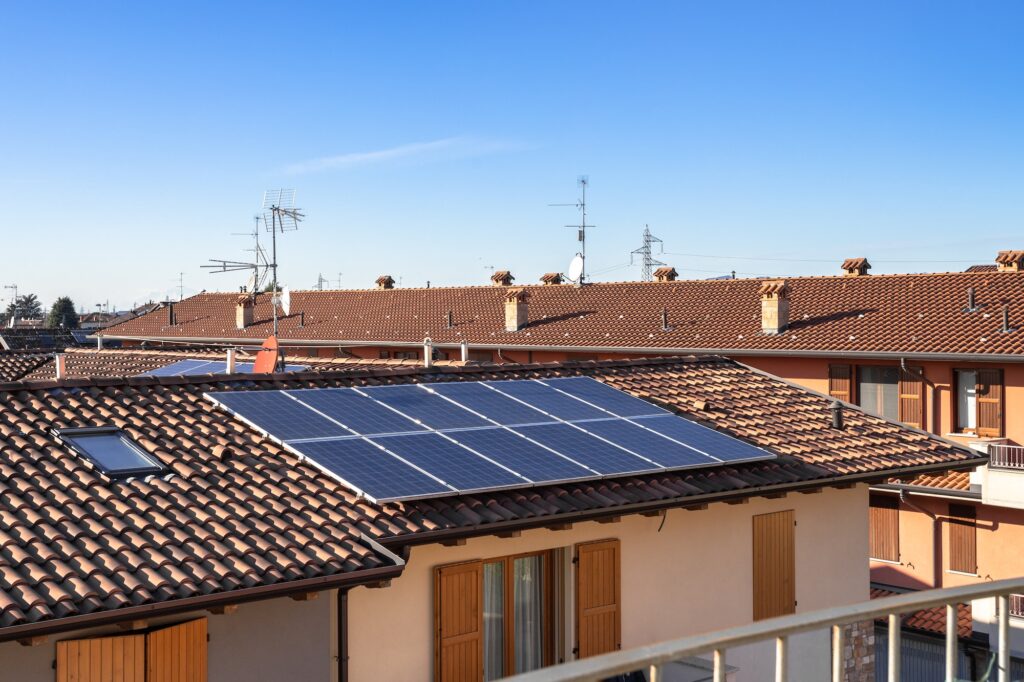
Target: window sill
<point>970,575</point>
<point>886,561</point>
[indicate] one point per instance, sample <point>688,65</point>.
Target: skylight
<point>111,451</point>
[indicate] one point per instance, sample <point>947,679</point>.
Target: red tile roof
<point>901,314</point>
<point>237,512</point>
<point>950,480</point>
<point>932,621</point>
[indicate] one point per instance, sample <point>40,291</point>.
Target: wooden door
<point>774,564</point>
<point>459,623</point>
<point>177,653</point>
<point>598,598</point>
<point>102,659</point>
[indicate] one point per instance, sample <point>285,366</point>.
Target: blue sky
<point>426,140</point>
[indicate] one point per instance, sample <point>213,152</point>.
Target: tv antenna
<point>321,281</point>
<point>181,286</point>
<point>582,182</point>
<point>647,261</point>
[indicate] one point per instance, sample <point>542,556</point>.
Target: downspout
<point>342,635</point>
<point>936,538</point>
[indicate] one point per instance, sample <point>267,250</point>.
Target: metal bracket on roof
<point>381,549</point>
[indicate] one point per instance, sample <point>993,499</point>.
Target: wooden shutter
<point>884,527</point>
<point>990,402</point>
<point>177,653</point>
<point>598,598</point>
<point>102,659</point>
<point>459,622</point>
<point>774,564</point>
<point>840,382</point>
<point>911,393</point>
<point>963,556</point>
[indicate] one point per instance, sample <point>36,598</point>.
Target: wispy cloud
<point>461,147</point>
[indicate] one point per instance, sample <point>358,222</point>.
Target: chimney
<point>230,369</point>
<point>171,319</point>
<point>385,282</point>
<point>464,348</point>
<point>774,306</point>
<point>243,311</point>
<point>516,314</point>
<point>856,267</point>
<point>551,278</point>
<point>60,365</point>
<point>1010,261</point>
<point>502,278</point>
<point>428,352</point>
<point>665,273</point>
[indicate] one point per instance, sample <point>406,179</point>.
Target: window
<point>884,528</point>
<point>384,355</point>
<point>963,539</point>
<point>481,355</point>
<point>406,355</point>
<point>979,401</point>
<point>774,564</point>
<point>111,451</point>
<point>877,390</point>
<point>966,400</point>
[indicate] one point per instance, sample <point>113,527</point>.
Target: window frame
<point>68,435</point>
<point>955,407</point>
<point>855,388</point>
<point>954,383</point>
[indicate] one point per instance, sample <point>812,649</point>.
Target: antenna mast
<point>181,286</point>
<point>583,182</point>
<point>647,262</point>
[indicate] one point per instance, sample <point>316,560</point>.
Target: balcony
<point>1006,457</point>
<point>654,658</point>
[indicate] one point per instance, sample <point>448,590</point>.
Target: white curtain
<point>878,390</point>
<point>528,591</point>
<point>494,620</point>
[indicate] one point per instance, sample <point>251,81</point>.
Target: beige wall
<point>693,576</point>
<point>267,641</point>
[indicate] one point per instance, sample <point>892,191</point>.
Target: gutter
<point>618,350</point>
<point>341,581</point>
<point>926,491</point>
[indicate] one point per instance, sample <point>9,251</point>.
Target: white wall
<point>266,641</point>
<point>693,576</point>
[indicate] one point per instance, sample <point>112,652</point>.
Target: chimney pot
<point>1010,261</point>
<point>665,274</point>
<point>774,306</point>
<point>516,309</point>
<point>502,278</point>
<point>856,267</point>
<point>244,311</point>
<point>551,278</point>
<point>385,282</point>
<point>837,415</point>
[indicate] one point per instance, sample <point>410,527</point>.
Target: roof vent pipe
<point>837,415</point>
<point>428,352</point>
<point>231,361</point>
<point>171,319</point>
<point>60,365</point>
<point>464,348</point>
<point>302,318</point>
<point>1006,318</point>
<point>664,319</point>
<point>971,305</point>
<point>450,320</point>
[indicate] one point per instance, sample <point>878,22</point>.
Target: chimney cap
<point>666,273</point>
<point>245,299</point>
<point>517,294</point>
<point>551,278</point>
<point>385,282</point>
<point>502,278</point>
<point>1011,261</point>
<point>855,267</point>
<point>774,288</point>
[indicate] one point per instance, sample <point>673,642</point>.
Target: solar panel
<point>420,440</point>
<point>247,368</point>
<point>184,367</point>
<point>81,335</point>
<point>369,470</point>
<point>426,407</point>
<point>605,397</point>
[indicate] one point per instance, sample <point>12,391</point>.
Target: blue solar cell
<point>605,397</point>
<point>665,452</point>
<point>522,456</point>
<point>453,464</point>
<point>426,407</point>
<point>493,405</point>
<point>545,398</point>
<point>81,335</point>
<point>184,367</point>
<point>719,445</point>
<point>278,415</point>
<point>247,368</point>
<point>357,412</point>
<point>602,457</point>
<point>370,470</point>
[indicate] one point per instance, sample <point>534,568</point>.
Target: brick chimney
<point>243,311</point>
<point>516,312</point>
<point>551,278</point>
<point>385,282</point>
<point>666,273</point>
<point>502,278</point>
<point>856,267</point>
<point>1010,261</point>
<point>774,306</point>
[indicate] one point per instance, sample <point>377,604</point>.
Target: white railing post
<point>655,674</point>
<point>837,653</point>
<point>780,659</point>
<point>952,632</point>
<point>719,665</point>
<point>1003,609</point>
<point>895,642</point>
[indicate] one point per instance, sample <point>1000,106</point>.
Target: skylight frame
<point>71,437</point>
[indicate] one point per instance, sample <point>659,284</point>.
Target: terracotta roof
<point>237,512</point>
<point>950,480</point>
<point>905,314</point>
<point>932,621</point>
<point>982,268</point>
<point>15,365</point>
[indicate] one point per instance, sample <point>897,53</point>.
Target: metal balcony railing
<point>651,658</point>
<point>1006,457</point>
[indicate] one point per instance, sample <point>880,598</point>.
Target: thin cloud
<point>448,148</point>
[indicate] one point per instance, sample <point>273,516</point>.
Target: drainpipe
<point>342,635</point>
<point>936,538</point>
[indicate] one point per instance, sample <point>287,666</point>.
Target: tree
<point>26,307</point>
<point>62,314</point>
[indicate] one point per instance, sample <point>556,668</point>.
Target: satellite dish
<point>286,301</point>
<point>252,283</point>
<point>575,268</point>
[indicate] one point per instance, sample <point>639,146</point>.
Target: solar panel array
<point>192,367</point>
<point>411,441</point>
